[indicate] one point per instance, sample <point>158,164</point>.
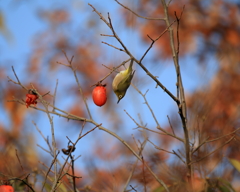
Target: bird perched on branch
<point>122,81</point>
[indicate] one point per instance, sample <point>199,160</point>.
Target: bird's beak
<point>118,101</point>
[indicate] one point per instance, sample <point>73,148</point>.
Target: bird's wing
<point>116,81</point>
<point>125,83</point>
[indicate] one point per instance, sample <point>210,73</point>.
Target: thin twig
<point>212,140</point>
<point>44,149</point>
<point>60,172</point>
<point>198,147</point>
<point>160,148</point>
<point>73,178</point>
<point>18,81</point>
<point>144,179</point>
<point>83,125</point>
<point>133,188</point>
<point>107,35</point>
<point>149,107</point>
<point>214,150</point>
<point>113,46</point>
<point>29,186</point>
<point>148,18</point>
<point>135,164</point>
<point>154,40</point>
<point>19,159</point>
<point>145,128</point>
<point>50,167</point>
<point>55,153</point>
<point>45,139</point>
<point>76,78</point>
<point>55,93</point>
<point>112,70</point>
<point>223,136</point>
<point>165,132</point>
<point>179,156</point>
<point>169,121</point>
<point>46,167</point>
<point>48,93</point>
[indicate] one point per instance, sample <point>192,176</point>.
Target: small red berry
<point>6,188</point>
<point>31,98</point>
<point>99,95</point>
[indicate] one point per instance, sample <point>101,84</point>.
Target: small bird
<point>122,81</point>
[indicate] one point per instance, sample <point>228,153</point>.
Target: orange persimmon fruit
<point>6,188</point>
<point>99,95</point>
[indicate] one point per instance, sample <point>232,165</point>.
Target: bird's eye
<point>120,96</point>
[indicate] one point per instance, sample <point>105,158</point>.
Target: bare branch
<point>135,164</point>
<point>154,40</point>
<point>73,176</point>
<point>44,149</point>
<point>69,156</point>
<point>179,156</point>
<point>107,35</point>
<point>18,81</point>
<point>45,139</point>
<point>166,133</point>
<point>76,78</point>
<point>113,46</point>
<point>160,148</point>
<point>100,15</point>
<point>180,91</point>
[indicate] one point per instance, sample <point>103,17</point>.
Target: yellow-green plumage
<point>122,81</point>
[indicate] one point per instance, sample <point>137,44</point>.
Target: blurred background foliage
<point>209,55</point>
